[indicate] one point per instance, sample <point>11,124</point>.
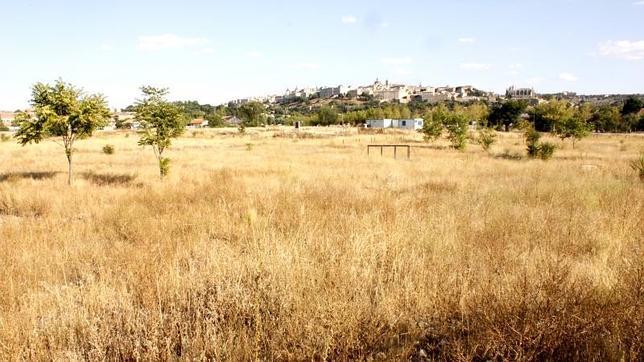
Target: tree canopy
<point>327,116</point>
<point>506,113</point>
<point>161,121</point>
<point>632,105</point>
<point>61,111</point>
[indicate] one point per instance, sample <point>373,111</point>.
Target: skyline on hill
<point>215,52</point>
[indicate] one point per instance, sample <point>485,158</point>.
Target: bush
<point>432,129</point>
<point>108,149</point>
<point>638,166</point>
<point>487,137</point>
<point>532,138</point>
<point>164,166</point>
<point>546,150</point>
<point>4,138</point>
<point>456,125</point>
<point>537,149</point>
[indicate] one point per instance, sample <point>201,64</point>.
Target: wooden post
<point>409,152</point>
<point>395,152</point>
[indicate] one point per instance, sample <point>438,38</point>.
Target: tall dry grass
<point>302,247</point>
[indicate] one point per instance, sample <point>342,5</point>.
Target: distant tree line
<point>503,115</point>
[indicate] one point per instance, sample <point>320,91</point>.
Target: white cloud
<point>623,49</point>
<point>384,24</point>
<point>307,66</point>
<point>467,40</point>
<point>403,71</point>
<point>638,3</point>
<point>206,51</point>
<point>515,69</point>
<point>535,80</point>
<point>349,19</point>
<point>168,41</point>
<point>255,54</point>
<point>475,66</point>
<point>106,47</point>
<point>397,61</point>
<point>568,77</point>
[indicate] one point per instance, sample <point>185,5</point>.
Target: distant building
<point>198,123</point>
<point>7,118</point>
<point>330,92</point>
<point>232,120</point>
<point>397,93</point>
<point>411,124</point>
<point>520,93</point>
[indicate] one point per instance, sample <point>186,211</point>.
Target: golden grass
<point>302,247</point>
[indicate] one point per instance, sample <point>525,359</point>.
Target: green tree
<point>456,126</point>
<point>607,119</point>
<point>487,137</point>
<point>536,148</point>
<point>216,118</point>
<point>161,122</point>
<point>548,115</point>
<point>251,114</point>
<point>327,116</point>
<point>375,113</point>
<point>632,105</point>
<point>62,111</point>
<point>118,122</point>
<point>477,112</point>
<point>434,123</point>
<point>575,126</point>
<point>405,113</point>
<point>507,113</point>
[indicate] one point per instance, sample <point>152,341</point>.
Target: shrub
<point>4,138</point>
<point>108,149</point>
<point>164,166</point>
<point>456,125</point>
<point>638,166</point>
<point>509,155</point>
<point>546,150</point>
<point>487,137</point>
<point>432,129</point>
<point>532,138</point>
<point>537,149</point>
<point>249,147</point>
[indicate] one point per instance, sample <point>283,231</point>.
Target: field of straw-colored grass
<point>273,246</point>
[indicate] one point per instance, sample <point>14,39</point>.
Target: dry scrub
<point>305,248</point>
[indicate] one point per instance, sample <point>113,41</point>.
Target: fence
<point>395,147</point>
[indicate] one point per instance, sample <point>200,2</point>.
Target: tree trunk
<point>159,155</point>
<point>69,168</point>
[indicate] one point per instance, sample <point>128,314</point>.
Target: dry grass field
<point>271,246</point>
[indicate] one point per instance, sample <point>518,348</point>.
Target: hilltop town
<point>381,91</point>
<point>366,105</point>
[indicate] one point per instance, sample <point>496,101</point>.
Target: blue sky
<point>213,51</point>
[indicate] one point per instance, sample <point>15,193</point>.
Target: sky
<point>215,51</point>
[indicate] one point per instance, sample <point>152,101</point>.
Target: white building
<point>397,93</point>
<point>411,124</point>
<point>329,92</point>
<point>7,118</point>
